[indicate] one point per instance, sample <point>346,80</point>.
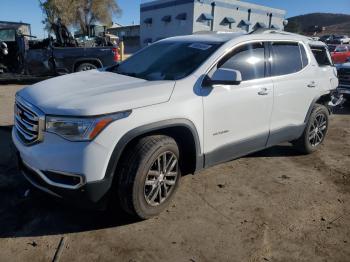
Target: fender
<point>130,135</point>
<point>322,98</point>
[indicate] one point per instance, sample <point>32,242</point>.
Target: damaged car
<point>344,79</point>
<point>51,56</point>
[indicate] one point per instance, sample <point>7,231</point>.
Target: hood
<point>94,93</point>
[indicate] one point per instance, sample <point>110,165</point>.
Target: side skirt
<point>241,148</point>
<point>235,150</point>
<point>285,134</point>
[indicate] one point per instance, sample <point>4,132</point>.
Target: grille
<point>28,122</point>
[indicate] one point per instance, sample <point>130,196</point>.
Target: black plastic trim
<point>247,146</point>
<point>235,150</point>
<point>90,195</point>
<point>285,134</point>
<point>129,136</point>
<point>309,111</point>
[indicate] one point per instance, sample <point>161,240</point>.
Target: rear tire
<point>148,176</point>
<point>315,131</point>
<point>85,67</point>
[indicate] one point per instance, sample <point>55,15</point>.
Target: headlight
<point>81,129</point>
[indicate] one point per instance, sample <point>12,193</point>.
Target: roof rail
<point>274,31</point>
<point>204,32</point>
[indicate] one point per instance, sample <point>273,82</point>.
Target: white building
<point>164,18</point>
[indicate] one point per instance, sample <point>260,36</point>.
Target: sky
<point>28,10</point>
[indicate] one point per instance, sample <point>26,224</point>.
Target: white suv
<point>182,104</point>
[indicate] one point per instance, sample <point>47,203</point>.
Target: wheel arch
<point>182,130</point>
<point>322,100</point>
<point>95,61</point>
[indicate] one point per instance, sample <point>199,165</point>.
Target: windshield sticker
<point>200,46</point>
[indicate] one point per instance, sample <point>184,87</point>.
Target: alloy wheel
<point>318,130</point>
<point>161,178</point>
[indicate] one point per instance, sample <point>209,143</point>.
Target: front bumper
<point>87,195</point>
<point>53,165</point>
<point>345,90</point>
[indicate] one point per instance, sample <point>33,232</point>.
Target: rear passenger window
<point>286,58</point>
<point>248,59</point>
<point>322,55</point>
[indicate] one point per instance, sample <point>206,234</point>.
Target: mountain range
<point>319,24</point>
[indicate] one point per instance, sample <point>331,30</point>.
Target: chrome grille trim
<point>27,125</point>
<point>29,122</point>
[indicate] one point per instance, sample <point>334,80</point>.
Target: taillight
<point>116,56</point>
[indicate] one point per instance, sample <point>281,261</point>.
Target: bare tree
<point>79,13</point>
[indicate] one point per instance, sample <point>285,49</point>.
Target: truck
<point>32,59</point>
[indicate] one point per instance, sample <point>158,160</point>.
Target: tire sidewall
<point>319,109</point>
<point>142,208</point>
<point>79,68</point>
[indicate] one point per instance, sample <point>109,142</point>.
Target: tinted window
<point>7,35</point>
<point>286,58</point>
<point>248,59</point>
<point>321,55</point>
<point>166,60</point>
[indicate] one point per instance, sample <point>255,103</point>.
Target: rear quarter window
<point>321,55</point>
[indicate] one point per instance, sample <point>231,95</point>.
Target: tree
<point>293,27</point>
<point>79,13</point>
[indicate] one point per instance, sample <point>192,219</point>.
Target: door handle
<point>263,92</point>
<point>312,84</point>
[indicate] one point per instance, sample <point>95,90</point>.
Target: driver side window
<point>249,59</point>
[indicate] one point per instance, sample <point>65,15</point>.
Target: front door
<point>236,117</point>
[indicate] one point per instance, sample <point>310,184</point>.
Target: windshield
<point>7,35</point>
<point>167,60</point>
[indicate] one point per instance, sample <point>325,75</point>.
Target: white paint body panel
<point>238,111</point>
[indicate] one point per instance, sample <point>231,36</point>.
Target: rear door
<point>295,82</point>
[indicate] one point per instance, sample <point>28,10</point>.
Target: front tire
<point>149,176</point>
<point>315,130</point>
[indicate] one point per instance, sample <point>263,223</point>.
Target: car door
<point>296,83</point>
<point>39,62</point>
<point>236,117</point>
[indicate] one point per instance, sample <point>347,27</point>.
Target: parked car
<point>341,54</point>
<point>344,79</point>
<point>331,48</point>
<point>49,58</point>
<point>335,39</point>
<point>185,103</point>
<point>344,39</point>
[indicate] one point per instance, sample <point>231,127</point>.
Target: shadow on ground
<point>38,214</point>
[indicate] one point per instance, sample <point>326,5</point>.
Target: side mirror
<point>225,76</point>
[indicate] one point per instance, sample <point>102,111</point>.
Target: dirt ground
<point>275,205</point>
